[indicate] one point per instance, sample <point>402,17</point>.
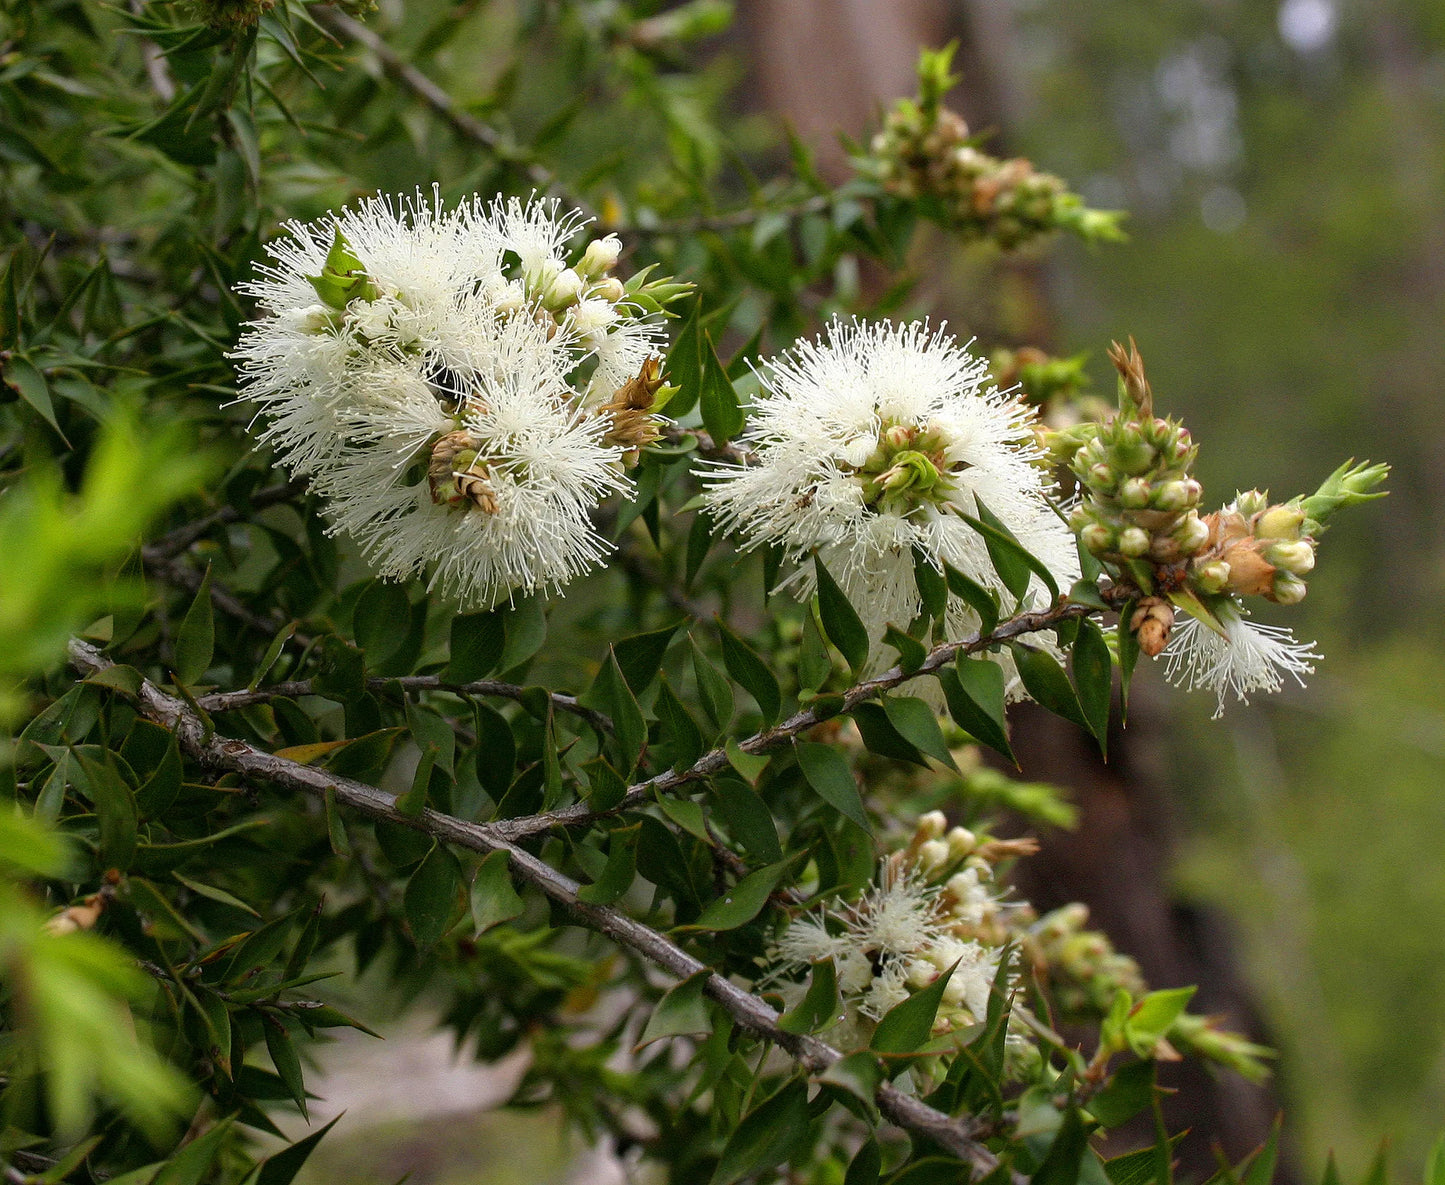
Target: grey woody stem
<point>957,1135</point>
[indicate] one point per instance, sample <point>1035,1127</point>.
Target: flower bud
<point>899,436</point>
<point>1134,541</point>
<point>1101,477</point>
<point>1176,495</point>
<point>1097,538</point>
<point>1250,502</point>
<point>611,289</point>
<point>961,841</point>
<point>933,855</point>
<point>930,826</point>
<point>1212,577</point>
<point>600,257</point>
<point>1191,534</point>
<point>1288,589</point>
<point>1134,493</point>
<point>1134,456</point>
<point>1280,522</point>
<point>565,290</point>
<point>1296,557</point>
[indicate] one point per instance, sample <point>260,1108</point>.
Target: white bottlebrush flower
<point>871,443</point>
<point>492,497</point>
<point>1249,657</point>
<point>431,370</point>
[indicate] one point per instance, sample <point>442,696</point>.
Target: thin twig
<point>229,701</point>
<point>442,104</point>
<point>716,760</point>
<point>731,220</point>
<point>955,1135</point>
<point>175,542</point>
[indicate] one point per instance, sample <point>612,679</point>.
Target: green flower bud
<point>1288,589</point>
<point>1280,522</point>
<point>1212,577</point>
<point>1134,455</point>
<point>610,289</point>
<point>910,471</point>
<point>1134,493</point>
<point>1098,538</point>
<point>1134,541</point>
<point>1101,477</point>
<point>1191,534</point>
<point>600,257</point>
<point>1250,502</point>
<point>1176,495</point>
<point>1295,556</point>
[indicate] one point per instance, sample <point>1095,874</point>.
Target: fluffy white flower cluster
<point>448,382</point>
<point>934,906</point>
<point>872,444</point>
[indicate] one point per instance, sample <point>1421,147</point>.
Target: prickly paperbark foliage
<point>743,905</point>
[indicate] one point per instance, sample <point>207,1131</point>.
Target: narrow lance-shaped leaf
<point>840,620</point>
<point>827,771</point>
<point>196,639</point>
<point>744,665</point>
<point>974,689</point>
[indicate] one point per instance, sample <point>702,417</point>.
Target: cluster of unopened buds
<point>924,152</point>
<point>1139,502</point>
<point>1080,966</point>
<point>1256,549</point>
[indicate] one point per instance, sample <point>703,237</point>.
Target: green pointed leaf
<point>721,413</point>
<point>700,539</point>
<point>1153,1016</point>
<point>23,376</point>
<point>744,665</point>
<point>713,690</point>
<point>190,1163</point>
<point>974,689</point>
<point>288,1065</point>
<point>525,626</point>
<point>1141,1167</point>
<point>1011,560</point>
<point>867,1163</point>
<point>819,1007</point>
<point>814,662</point>
<point>678,727</point>
<point>684,364</point>
<point>976,597</point>
<point>682,1011</point>
<point>1046,682</point>
<point>743,902</point>
<point>379,620</point>
<point>1094,679</point>
<point>859,1074</point>
<point>477,640</point>
<point>827,771</point>
<point>917,725</point>
<point>609,693</point>
<point>1128,1092</point>
<point>932,584</point>
<point>431,895</point>
<point>908,1025</point>
<point>1061,1164</point>
<point>640,656</point>
<point>882,738</point>
<point>1263,1163</point>
<point>115,810</point>
<point>282,1168</point>
<point>1435,1164</point>
<point>766,1136</point>
<point>749,765</point>
<point>840,620</point>
<point>748,819</point>
<point>620,870</point>
<point>911,652</point>
<point>493,897</point>
<point>196,639</point>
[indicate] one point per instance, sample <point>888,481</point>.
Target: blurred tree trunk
<point>828,66</point>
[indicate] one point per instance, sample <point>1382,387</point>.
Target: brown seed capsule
<point>1151,623</point>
